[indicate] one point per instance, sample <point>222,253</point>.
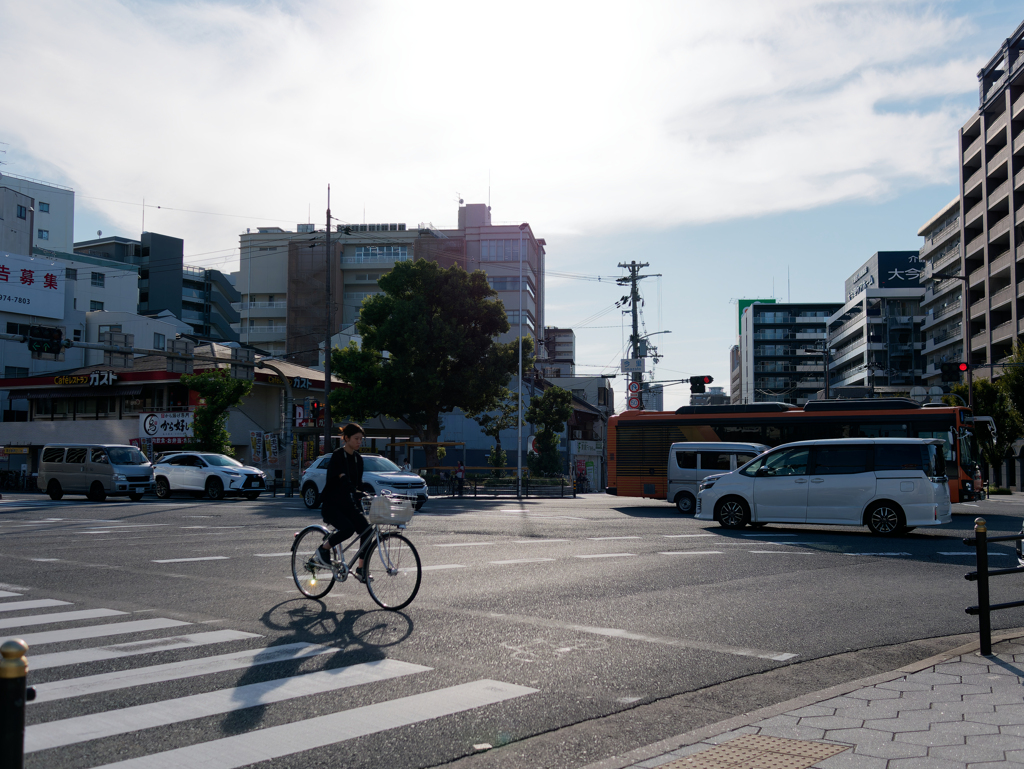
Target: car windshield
<point>126,455</point>
<point>219,460</point>
<point>377,464</point>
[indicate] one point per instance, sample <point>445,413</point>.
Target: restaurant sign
<point>174,427</point>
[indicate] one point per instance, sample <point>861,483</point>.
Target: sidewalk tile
<point>930,738</point>
<point>930,696</point>
<point>859,736</point>
<point>995,680</point>
<point>848,760</point>
<point>924,763</point>
<point>905,685</point>
<point>812,710</point>
<point>966,754</point>
<point>999,765</point>
<point>1003,697</point>
<point>874,693</point>
<point>997,741</point>
<point>966,707</point>
<point>725,737</point>
<point>914,721</point>
<point>1016,709</point>
<point>997,718</point>
<point>962,689</point>
<point>964,728</point>
<point>891,750</point>
<point>831,722</point>
<point>793,732</point>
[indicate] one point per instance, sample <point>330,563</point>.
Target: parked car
<point>378,472</point>
<point>689,463</point>
<point>201,473</point>
<point>94,469</point>
<point>890,485</point>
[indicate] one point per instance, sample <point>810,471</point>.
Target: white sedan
<point>380,473</point>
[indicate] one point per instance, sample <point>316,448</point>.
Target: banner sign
<point>256,447</point>
<point>174,427</point>
<point>272,448</point>
<point>31,286</point>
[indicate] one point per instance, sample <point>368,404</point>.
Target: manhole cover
<point>754,751</point>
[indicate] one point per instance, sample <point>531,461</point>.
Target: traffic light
<point>951,371</point>
<point>45,339</point>
<point>697,383</point>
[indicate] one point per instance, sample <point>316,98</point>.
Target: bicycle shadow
<point>357,636</point>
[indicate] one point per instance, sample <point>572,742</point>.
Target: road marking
<point>601,539</point>
<point>968,504</point>
<point>116,651</point>
<point>679,536</point>
<point>692,552</point>
<point>55,734</point>
<point>60,616</point>
<point>781,552</point>
<point>972,553</point>
<point>98,631</point>
<point>42,603</point>
<point>8,594</point>
<point>272,555</point>
<point>287,739</point>
<point>465,544</point>
<point>532,541</point>
<point>435,568</point>
<point>174,671</point>
<point>604,555</point>
<point>522,560</point>
<point>876,553</point>
<point>768,535</point>
<point>45,560</point>
<point>190,560</point>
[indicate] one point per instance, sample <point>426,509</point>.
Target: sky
<point>743,149</point>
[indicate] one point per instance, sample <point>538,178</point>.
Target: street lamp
<point>519,420</point>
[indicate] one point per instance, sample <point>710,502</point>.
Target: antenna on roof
<point>99,233</point>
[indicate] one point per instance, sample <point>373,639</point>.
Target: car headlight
<point>120,477</point>
<point>231,472</point>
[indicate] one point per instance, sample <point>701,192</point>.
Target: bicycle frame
<point>342,569</point>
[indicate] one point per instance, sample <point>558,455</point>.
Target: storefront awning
<point>75,392</point>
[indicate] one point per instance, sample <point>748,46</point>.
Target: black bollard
<point>13,696</point>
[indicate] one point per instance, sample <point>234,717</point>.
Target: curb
<point>738,722</point>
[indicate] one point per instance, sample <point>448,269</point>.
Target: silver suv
<point>379,472</point>
<point>202,473</point>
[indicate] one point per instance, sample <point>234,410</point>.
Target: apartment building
<point>942,304</point>
<point>557,358</point>
<point>283,275</point>
<point>735,375</point>
<point>875,339</point>
<point>17,215</point>
<point>51,212</point>
<point>782,351</point>
<point>991,145</point>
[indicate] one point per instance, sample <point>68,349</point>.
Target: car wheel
<point>215,488</point>
<point>163,488</point>
<point>54,490</point>
<point>251,495</point>
<point>135,496</point>
<point>310,496</point>
<point>733,513</point>
<point>885,519</point>
<point>96,492</point>
<point>685,502</point>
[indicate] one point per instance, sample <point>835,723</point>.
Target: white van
<point>889,485</point>
<point>690,463</point>
<point>94,469</point>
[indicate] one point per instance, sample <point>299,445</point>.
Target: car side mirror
<point>761,472</point>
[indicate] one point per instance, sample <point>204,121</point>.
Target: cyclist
<point>342,491</point>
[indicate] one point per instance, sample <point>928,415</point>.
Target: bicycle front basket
<point>393,510</point>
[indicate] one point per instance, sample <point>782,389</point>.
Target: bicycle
<point>391,569</point>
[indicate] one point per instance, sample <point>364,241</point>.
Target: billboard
<point>744,304</point>
<point>31,286</point>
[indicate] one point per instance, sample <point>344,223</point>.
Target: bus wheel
<point>685,502</point>
<point>733,513</point>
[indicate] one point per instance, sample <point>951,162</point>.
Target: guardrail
<point>476,487</point>
<point>985,608</point>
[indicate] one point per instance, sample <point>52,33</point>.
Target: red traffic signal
<point>963,367</point>
<point>697,383</point>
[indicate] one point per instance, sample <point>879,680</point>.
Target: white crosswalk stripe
<point>133,648</point>
<point>63,616</point>
<point>98,631</point>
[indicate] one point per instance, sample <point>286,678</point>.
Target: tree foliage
<point>991,400</point>
<point>221,393</point>
<point>439,328</point>
<point>549,411</point>
<point>492,424</point>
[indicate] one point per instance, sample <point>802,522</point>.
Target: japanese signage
<point>256,447</point>
<point>298,383</point>
<point>632,365</point>
<point>174,427</point>
<point>93,378</point>
<point>31,286</point>
<point>886,269</point>
<point>587,447</point>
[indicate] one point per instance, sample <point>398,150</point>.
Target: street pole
<point>248,289</point>
<point>519,420</point>
<point>327,338</point>
<point>634,298</point>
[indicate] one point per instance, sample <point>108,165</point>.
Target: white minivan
<point>95,469</point>
<point>690,463</point>
<point>890,485</point>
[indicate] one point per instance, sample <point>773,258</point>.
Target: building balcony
<point>979,308</point>
<point>1018,180</point>
<point>997,160</point>
<point>999,124</point>
<point>977,276</point>
<point>974,213</point>
<point>973,181</point>
<point>1003,331</point>
<point>1018,144</point>
<point>946,258</point>
<point>258,334</point>
<point>973,148</point>
<point>1000,228</point>
<point>975,244</point>
<point>942,314</point>
<point>945,339</point>
<point>1001,265</point>
<point>938,239</point>
<point>1018,216</point>
<point>374,259</point>
<point>1002,297</point>
<point>998,193</point>
<point>1018,105</point>
<point>980,340</point>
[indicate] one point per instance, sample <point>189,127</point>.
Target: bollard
<point>13,696</point>
<point>984,614</point>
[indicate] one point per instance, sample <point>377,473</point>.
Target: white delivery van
<point>95,470</point>
<point>690,463</point>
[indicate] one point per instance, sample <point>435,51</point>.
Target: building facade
<point>53,212</point>
<point>17,215</point>
<point>557,358</point>
<point>735,374</point>
<point>875,339</point>
<point>942,303</point>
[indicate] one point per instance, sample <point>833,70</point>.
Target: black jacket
<point>344,478</point>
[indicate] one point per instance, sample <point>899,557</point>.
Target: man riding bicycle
<point>342,492</point>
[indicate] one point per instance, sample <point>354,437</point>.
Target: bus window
<point>881,431</point>
<point>947,437</point>
<point>968,450</point>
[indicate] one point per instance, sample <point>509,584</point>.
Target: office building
<point>942,304</point>
<point>17,216</point>
<point>51,212</point>
<point>875,339</point>
<point>715,396</point>
<point>735,375</point>
<point>557,356</point>
<point>782,351</point>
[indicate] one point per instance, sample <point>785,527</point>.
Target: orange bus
<point>639,441</point>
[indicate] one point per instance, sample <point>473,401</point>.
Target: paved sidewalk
<point>955,710</point>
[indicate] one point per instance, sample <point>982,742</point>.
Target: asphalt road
<point>559,632</point>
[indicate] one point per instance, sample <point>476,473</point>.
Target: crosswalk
<point>89,692</point>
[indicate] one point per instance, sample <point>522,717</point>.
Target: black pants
<point>347,522</point>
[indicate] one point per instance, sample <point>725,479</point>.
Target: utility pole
<point>632,280</point>
<point>327,338</point>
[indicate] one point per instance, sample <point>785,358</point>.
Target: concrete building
<point>875,338</point>
<point>17,215</point>
<point>992,201</point>
<point>942,304</point>
<point>715,396</point>
<point>202,298</point>
<point>146,333</point>
<point>735,375</point>
<point>558,357</point>
<point>53,221</point>
<point>283,275</point>
<point>597,391</point>
<point>782,351</point>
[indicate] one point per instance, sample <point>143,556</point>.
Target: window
<point>53,454</point>
<point>788,462</point>
<point>43,234</point>
<point>76,455</point>
<point>742,459</point>
<point>94,305</point>
<point>15,372</point>
<point>581,394</point>
<point>114,329</point>
<point>17,328</point>
<point>842,460</point>
<point>714,460</point>
<point>381,253</point>
<point>687,460</point>
<point>99,279</point>
<point>499,250</point>
<point>906,456</point>
<point>270,297</point>
<point>44,208</point>
<point>99,456</point>
<point>77,335</point>
<point>22,212</point>
<point>158,341</point>
<point>71,273</point>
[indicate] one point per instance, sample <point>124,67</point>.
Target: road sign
<point>634,387</point>
<point>632,365</point>
<point>633,403</point>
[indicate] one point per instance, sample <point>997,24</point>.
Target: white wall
<point>59,221</point>
<point>142,327</point>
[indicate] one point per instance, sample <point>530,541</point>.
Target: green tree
<point>991,400</point>
<point>549,411</point>
<point>439,328</point>
<point>1012,380</point>
<point>491,424</point>
<point>221,393</point>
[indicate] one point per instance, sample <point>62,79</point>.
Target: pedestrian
<point>460,475</point>
<point>406,467</point>
<point>342,495</point>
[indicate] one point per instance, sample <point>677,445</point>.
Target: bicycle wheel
<point>393,572</point>
<point>312,579</point>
